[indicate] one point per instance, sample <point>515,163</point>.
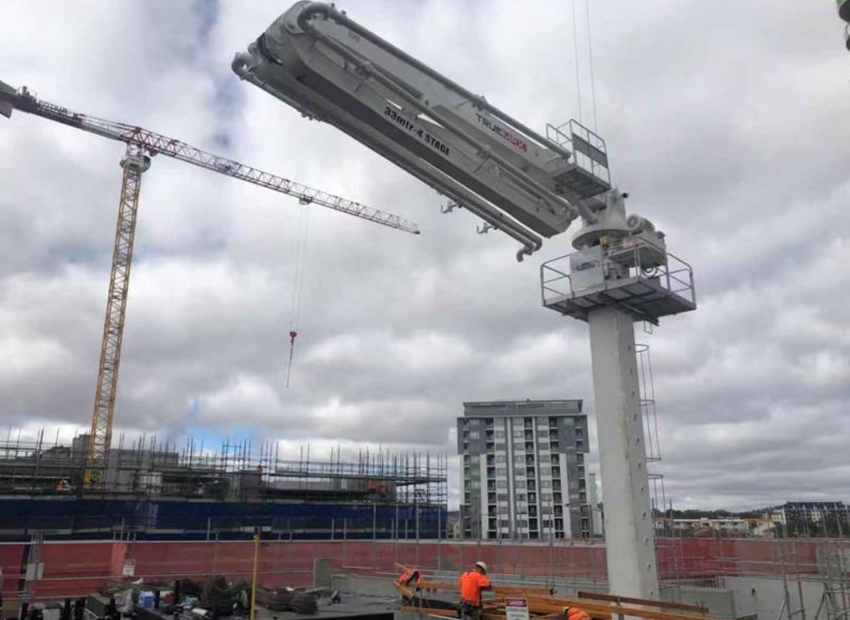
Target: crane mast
<point>330,68</point>
<point>142,145</point>
<point>134,163</point>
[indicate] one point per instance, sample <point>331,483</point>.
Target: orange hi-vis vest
<point>471,585</point>
<point>574,613</point>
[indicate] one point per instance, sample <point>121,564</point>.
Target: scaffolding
<point>396,494</point>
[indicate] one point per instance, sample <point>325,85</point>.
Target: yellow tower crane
<point>142,145</point>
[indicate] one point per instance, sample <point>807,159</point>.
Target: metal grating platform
<point>646,295</point>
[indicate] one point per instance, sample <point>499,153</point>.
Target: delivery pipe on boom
<point>321,62</point>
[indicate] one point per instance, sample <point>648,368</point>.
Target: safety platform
<point>582,281</point>
<point>590,175</point>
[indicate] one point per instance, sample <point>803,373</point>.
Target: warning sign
<point>516,608</point>
<point>129,568</point>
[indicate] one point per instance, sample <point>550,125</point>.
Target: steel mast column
<point>629,535</point>
<point>134,163</point>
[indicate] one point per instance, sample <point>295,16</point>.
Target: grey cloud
<point>724,121</point>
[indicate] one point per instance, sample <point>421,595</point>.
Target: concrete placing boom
<point>330,68</point>
<point>141,146</point>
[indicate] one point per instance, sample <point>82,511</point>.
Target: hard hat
<point>481,565</point>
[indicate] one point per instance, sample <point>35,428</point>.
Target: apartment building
<point>523,470</point>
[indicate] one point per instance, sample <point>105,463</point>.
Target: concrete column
<point>629,535</point>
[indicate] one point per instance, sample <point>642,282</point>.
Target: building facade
<point>523,470</point>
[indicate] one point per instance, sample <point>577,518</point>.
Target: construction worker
<point>574,613</point>
<point>471,586</point>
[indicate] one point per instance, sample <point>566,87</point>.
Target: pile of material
<point>415,587</point>
<point>291,599</point>
<point>275,599</point>
<point>220,597</point>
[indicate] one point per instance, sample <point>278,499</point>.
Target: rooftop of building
<point>529,408</point>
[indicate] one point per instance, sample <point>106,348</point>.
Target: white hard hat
<point>481,565</point>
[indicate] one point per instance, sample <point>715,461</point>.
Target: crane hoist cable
<point>297,281</point>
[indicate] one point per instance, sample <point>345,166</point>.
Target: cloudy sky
<point>726,121</point>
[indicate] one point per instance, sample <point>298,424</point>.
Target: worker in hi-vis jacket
<point>471,586</point>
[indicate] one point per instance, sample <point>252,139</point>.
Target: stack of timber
<point>415,588</point>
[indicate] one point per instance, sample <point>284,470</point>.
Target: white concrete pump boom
<point>332,69</point>
<point>319,61</point>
